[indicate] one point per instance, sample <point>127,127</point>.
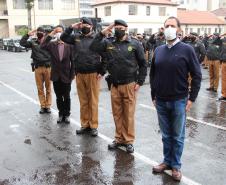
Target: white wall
<point>200,5</point>
<point>42,17</point>
<point>139,21</point>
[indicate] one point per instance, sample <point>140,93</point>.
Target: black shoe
<point>214,90</point>
<point>94,132</point>
<point>129,148</point>
<point>114,145</point>
<point>42,111</point>
<point>48,110</point>
<point>83,130</point>
<point>67,119</point>
<point>210,89</point>
<point>60,119</point>
<point>222,98</point>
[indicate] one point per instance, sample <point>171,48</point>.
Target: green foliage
<point>22,31</point>
<point>29,4</point>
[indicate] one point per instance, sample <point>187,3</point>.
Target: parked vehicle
<point>14,45</point>
<point>1,44</point>
<point>5,43</point>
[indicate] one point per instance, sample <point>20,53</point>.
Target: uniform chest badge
<point>130,48</point>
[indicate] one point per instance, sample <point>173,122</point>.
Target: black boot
<point>48,110</point>
<point>42,111</point>
<point>129,148</point>
<point>67,119</point>
<point>83,130</point>
<point>60,119</point>
<point>94,132</point>
<point>114,145</point>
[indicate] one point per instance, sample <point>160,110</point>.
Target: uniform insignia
<point>130,48</point>
<point>77,40</point>
<point>110,47</point>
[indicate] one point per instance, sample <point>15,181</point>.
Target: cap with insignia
<point>120,22</point>
<point>86,20</point>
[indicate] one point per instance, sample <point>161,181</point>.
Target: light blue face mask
<point>170,33</point>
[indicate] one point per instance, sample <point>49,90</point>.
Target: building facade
<point>200,21</point>
<point>85,8</point>
<point>13,14</point>
<point>141,16</point>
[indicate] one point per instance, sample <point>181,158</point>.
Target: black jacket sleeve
<point>195,71</point>
<point>99,44</point>
<point>67,36</point>
<point>202,52</point>
<point>24,41</point>
<point>140,56</point>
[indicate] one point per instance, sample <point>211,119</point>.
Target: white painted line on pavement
<point>189,118</point>
<point>24,70</point>
<point>139,156</point>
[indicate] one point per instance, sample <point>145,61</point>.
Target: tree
<point>29,6</point>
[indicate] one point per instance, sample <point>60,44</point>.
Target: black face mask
<point>39,35</point>
<point>193,39</point>
<point>119,33</point>
<point>85,30</point>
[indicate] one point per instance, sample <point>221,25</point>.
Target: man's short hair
<point>59,26</point>
<point>175,18</point>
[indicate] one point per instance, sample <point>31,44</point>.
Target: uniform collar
<point>128,39</point>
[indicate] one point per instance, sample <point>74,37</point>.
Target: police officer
<point>88,71</point>
<point>193,40</point>
<point>127,67</point>
<point>41,67</point>
<point>213,56</point>
<point>223,69</point>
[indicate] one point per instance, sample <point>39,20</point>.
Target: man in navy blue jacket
<point>171,65</point>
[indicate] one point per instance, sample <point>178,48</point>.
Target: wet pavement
<point>34,150</point>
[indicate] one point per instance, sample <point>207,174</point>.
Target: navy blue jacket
<point>169,73</point>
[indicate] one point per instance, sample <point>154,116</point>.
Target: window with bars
<point>148,10</point>
<point>45,4</point>
<point>107,10</point>
<point>162,11</point>
<point>19,4</point>
<point>68,4</point>
<point>132,9</point>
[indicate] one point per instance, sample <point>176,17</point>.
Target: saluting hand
<point>31,33</point>
<point>52,33</point>
<point>76,25</point>
<point>108,29</point>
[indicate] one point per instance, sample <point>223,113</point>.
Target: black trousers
<point>63,100</point>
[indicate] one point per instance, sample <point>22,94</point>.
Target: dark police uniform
<point>127,66</point>
<point>87,67</point>
<point>41,66</point>
<point>223,68</point>
<point>213,56</point>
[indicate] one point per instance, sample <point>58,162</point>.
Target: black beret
<point>216,34</point>
<point>194,34</point>
<point>121,22</point>
<point>86,20</point>
<point>41,29</point>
